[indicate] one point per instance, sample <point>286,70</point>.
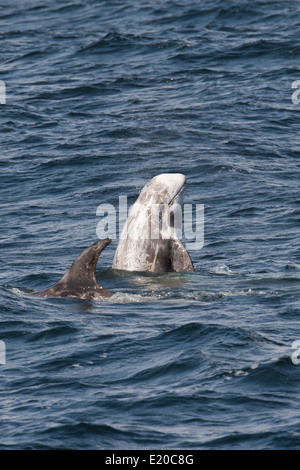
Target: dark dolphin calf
<point>80,280</point>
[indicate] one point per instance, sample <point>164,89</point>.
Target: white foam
<point>17,291</point>
<point>120,297</point>
<point>221,269</point>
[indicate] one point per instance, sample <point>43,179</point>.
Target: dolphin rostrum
<point>80,279</point>
<point>149,241</point>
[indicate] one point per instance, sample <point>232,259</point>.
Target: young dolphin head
<point>162,189</point>
<point>149,241</point>
<point>80,279</point>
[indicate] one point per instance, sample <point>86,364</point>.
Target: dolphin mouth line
<point>176,195</point>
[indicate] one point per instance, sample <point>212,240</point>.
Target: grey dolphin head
<point>80,279</point>
<point>149,242</point>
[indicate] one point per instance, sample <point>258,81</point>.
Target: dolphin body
<point>142,248</point>
<point>80,279</point>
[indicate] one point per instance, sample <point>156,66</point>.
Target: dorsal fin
<point>80,279</point>
<point>83,270</point>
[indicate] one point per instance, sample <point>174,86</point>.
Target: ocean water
<point>99,97</point>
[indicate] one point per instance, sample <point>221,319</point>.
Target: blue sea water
<point>100,97</point>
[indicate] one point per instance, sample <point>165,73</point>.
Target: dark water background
<point>100,97</point>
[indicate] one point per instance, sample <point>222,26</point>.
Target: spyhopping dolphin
<point>80,280</point>
<point>148,246</point>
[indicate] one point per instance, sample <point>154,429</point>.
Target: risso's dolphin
<point>149,241</point>
<point>80,279</point>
